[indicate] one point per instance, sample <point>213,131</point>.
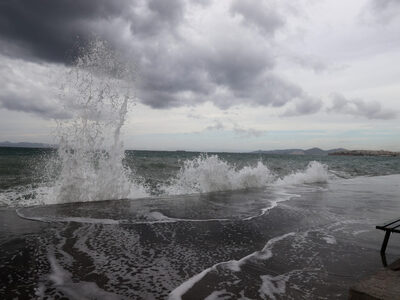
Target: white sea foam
<point>315,172</point>
<point>219,295</point>
<point>329,239</point>
<point>235,266</point>
<point>61,280</point>
<point>158,217</point>
<point>280,197</point>
<point>210,174</point>
<point>273,285</point>
<point>49,219</point>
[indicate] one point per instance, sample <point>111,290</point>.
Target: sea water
<point>25,179</point>
<point>92,220</point>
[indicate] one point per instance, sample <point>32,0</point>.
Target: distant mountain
<point>25,145</point>
<point>315,151</point>
<point>311,151</point>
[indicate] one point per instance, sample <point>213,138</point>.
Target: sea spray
<point>209,173</point>
<point>97,92</point>
<point>315,172</point>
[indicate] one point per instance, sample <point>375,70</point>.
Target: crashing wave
<point>314,173</point>
<point>205,174</point>
<point>210,174</point>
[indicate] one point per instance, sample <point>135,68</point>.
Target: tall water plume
<point>97,92</point>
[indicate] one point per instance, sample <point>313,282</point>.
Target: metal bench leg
<point>384,261</point>
<point>385,241</point>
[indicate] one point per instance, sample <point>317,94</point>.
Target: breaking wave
<point>314,173</point>
<point>205,174</point>
<point>211,174</point>
<point>202,174</point>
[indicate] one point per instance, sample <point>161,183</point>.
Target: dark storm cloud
<point>175,69</point>
<point>358,107</point>
<point>242,70</point>
<point>49,29</point>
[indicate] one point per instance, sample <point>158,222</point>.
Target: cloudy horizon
<point>215,75</point>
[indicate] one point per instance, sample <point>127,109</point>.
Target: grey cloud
<point>384,4</point>
<point>171,10</point>
<point>238,130</point>
<point>217,126</point>
<point>194,74</point>
<point>382,11</point>
<point>260,14</point>
<point>28,87</point>
<point>202,2</point>
<point>358,107</point>
<point>173,70</point>
<point>195,116</point>
<point>49,29</point>
<point>32,104</point>
<point>151,18</point>
<point>310,62</point>
<point>304,106</point>
<point>249,132</point>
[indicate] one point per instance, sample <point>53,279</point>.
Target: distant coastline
<point>295,151</point>
<point>25,145</point>
<point>311,151</point>
<point>366,153</point>
<point>339,151</point>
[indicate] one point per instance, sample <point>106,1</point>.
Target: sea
<point>90,219</point>
<point>190,225</point>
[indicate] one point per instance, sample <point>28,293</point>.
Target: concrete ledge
<point>385,284</point>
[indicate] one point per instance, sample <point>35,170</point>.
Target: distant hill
<point>311,151</point>
<point>25,145</point>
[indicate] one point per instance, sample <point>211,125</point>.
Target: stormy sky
<point>236,75</point>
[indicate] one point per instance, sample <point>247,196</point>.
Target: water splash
<point>315,172</point>
<point>206,173</point>
<point>98,92</point>
<point>210,173</point>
